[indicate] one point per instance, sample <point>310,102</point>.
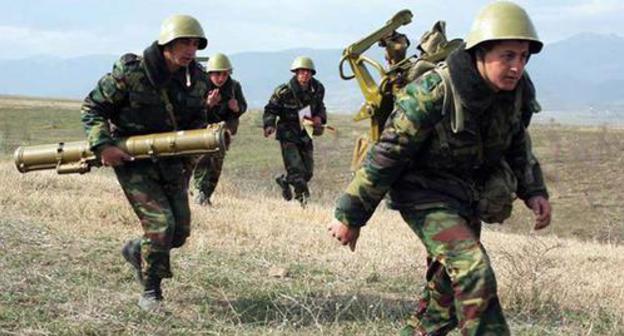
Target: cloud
<point>595,8</point>
<point>23,42</point>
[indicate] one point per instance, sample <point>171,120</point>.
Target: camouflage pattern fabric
<point>283,108</point>
<point>420,162</point>
<point>299,162</point>
<point>141,96</point>
<point>282,112</point>
<point>221,112</point>
<point>158,195</point>
<point>207,173</point>
<point>129,101</point>
<point>435,177</point>
<point>208,168</point>
<point>461,286</point>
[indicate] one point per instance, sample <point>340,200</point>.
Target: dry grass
<point>62,272</point>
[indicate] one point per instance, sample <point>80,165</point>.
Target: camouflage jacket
<point>284,106</point>
<point>221,112</point>
<point>140,96</point>
<point>420,163</point>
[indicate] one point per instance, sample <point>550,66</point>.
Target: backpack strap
<point>457,111</point>
<point>297,100</point>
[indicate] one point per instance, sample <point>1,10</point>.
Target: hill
<point>570,75</point>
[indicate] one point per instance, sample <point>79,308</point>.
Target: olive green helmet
<point>503,20</point>
<point>303,62</point>
<point>181,26</point>
<point>218,62</point>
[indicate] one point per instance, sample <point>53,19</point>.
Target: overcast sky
<point>70,28</point>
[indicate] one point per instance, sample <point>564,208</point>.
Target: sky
<point>73,28</point>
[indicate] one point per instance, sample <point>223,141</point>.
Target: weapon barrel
<point>399,19</point>
<point>76,157</point>
<point>214,138</point>
<point>50,156</point>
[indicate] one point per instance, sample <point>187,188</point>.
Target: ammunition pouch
<point>497,194</point>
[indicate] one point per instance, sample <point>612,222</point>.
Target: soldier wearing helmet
<point>293,103</point>
<point>447,170</point>
<point>162,90</point>
<point>225,103</point>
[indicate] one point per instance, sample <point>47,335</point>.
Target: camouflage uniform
<point>297,148</point>
<point>140,96</point>
<point>434,177</point>
<point>208,167</point>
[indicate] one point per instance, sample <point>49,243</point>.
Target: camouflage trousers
<point>158,195</point>
<point>461,287</point>
<point>207,173</point>
<point>299,163</point>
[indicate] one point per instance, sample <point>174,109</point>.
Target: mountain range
<point>580,72</point>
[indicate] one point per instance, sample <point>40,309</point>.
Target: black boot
<point>203,198</point>
<point>302,194</point>
<point>152,300</point>
<point>286,192</point>
<point>131,251</point>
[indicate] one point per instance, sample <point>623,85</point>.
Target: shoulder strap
<point>457,113</point>
<point>169,108</point>
<point>294,93</point>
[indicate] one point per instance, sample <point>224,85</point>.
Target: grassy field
<point>258,266</point>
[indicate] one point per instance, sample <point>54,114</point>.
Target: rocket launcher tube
<point>76,157</point>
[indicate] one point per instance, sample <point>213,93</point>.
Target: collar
<point>157,71</point>
<point>294,84</point>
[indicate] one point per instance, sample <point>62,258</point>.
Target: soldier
<point>438,175</point>
<point>287,107</point>
<point>225,103</point>
<point>162,90</point>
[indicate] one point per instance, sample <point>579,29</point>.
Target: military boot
<point>286,192</point>
<point>152,300</point>
<point>131,251</point>
<point>302,194</point>
<point>202,199</point>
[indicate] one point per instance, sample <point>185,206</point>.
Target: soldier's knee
<point>159,241</point>
<point>470,263</point>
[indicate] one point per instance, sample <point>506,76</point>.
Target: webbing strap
<point>169,108</point>
<point>457,112</point>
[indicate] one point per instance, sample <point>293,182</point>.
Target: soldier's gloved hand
<point>344,234</point>
<point>214,97</point>
<point>233,105</point>
<point>542,210</point>
<point>268,131</point>
<point>114,156</point>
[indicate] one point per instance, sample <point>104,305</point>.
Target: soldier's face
<point>303,76</point>
<point>503,65</point>
<point>219,78</point>
<point>180,52</point>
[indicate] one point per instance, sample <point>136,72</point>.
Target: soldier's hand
<point>233,105</point>
<point>317,121</point>
<point>214,97</point>
<point>344,234</point>
<point>542,210</point>
<point>268,131</point>
<point>114,156</point>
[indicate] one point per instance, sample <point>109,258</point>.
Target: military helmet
<point>218,62</point>
<point>503,20</point>
<point>181,26</point>
<point>303,62</point>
